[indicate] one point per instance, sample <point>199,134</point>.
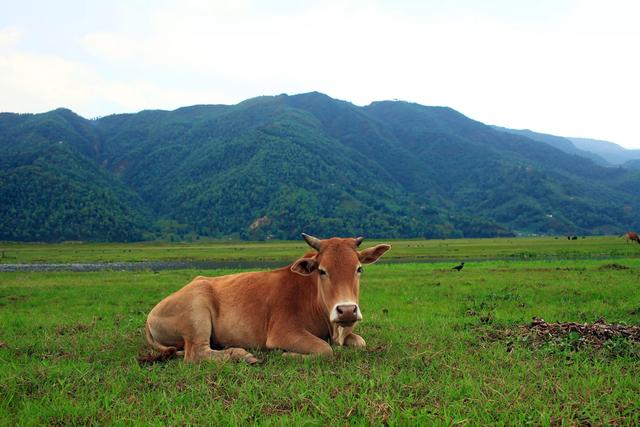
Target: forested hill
<point>271,167</point>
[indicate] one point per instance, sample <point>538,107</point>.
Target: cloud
<point>111,46</point>
<point>566,69</point>
<point>348,49</point>
<point>37,83</point>
<point>9,37</point>
<point>615,17</point>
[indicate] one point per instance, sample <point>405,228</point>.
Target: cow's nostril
<point>346,314</point>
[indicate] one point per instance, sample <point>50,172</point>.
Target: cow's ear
<point>371,255</point>
<point>304,266</point>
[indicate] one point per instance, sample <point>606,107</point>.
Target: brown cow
<point>631,236</point>
<point>295,308</point>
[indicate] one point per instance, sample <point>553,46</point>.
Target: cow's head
<point>336,268</point>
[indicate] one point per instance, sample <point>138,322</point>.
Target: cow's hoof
<point>252,360</point>
<point>354,340</point>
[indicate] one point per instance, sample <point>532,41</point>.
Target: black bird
<point>458,267</point>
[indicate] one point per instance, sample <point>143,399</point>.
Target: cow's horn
<point>359,240</point>
<point>314,242</point>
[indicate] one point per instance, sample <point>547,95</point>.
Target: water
<point>170,265</point>
<point>238,264</point>
<point>144,265</point>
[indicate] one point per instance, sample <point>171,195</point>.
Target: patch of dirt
<point>379,348</point>
<point>11,298</point>
<point>133,399</point>
<point>570,335</point>
<point>594,334</point>
<point>379,412</point>
<point>613,266</point>
<point>3,344</point>
<point>56,355</point>
<point>278,408</point>
<point>72,329</point>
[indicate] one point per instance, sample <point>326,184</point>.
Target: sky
<point>569,68</point>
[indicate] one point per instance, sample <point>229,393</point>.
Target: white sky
<point>569,68</point>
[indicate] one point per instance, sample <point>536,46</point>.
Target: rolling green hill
<point>271,167</point>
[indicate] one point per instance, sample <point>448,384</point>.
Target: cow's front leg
<point>300,342</point>
<point>353,340</point>
<point>234,353</point>
<point>345,336</point>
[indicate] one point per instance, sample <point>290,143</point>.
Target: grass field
<point>437,351</point>
<point>403,250</point>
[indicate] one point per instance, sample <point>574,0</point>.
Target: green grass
<point>404,250</point>
<point>72,338</point>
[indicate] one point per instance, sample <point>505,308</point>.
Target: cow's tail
<point>166,353</point>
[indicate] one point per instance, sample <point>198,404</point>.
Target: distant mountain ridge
<point>632,164</point>
<point>601,152</point>
<point>558,142</point>
<point>613,153</point>
<point>271,167</point>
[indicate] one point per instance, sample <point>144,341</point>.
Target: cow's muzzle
<point>346,314</point>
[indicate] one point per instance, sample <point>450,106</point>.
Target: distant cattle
<point>631,236</point>
<point>299,308</point>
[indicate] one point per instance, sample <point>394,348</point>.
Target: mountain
<point>52,189</point>
<point>271,167</point>
<point>612,153</point>
<point>558,142</point>
<point>632,164</point>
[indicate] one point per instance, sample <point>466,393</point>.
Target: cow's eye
<point>322,272</point>
<point>359,270</point>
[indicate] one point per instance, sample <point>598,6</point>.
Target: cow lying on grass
<point>295,308</point>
